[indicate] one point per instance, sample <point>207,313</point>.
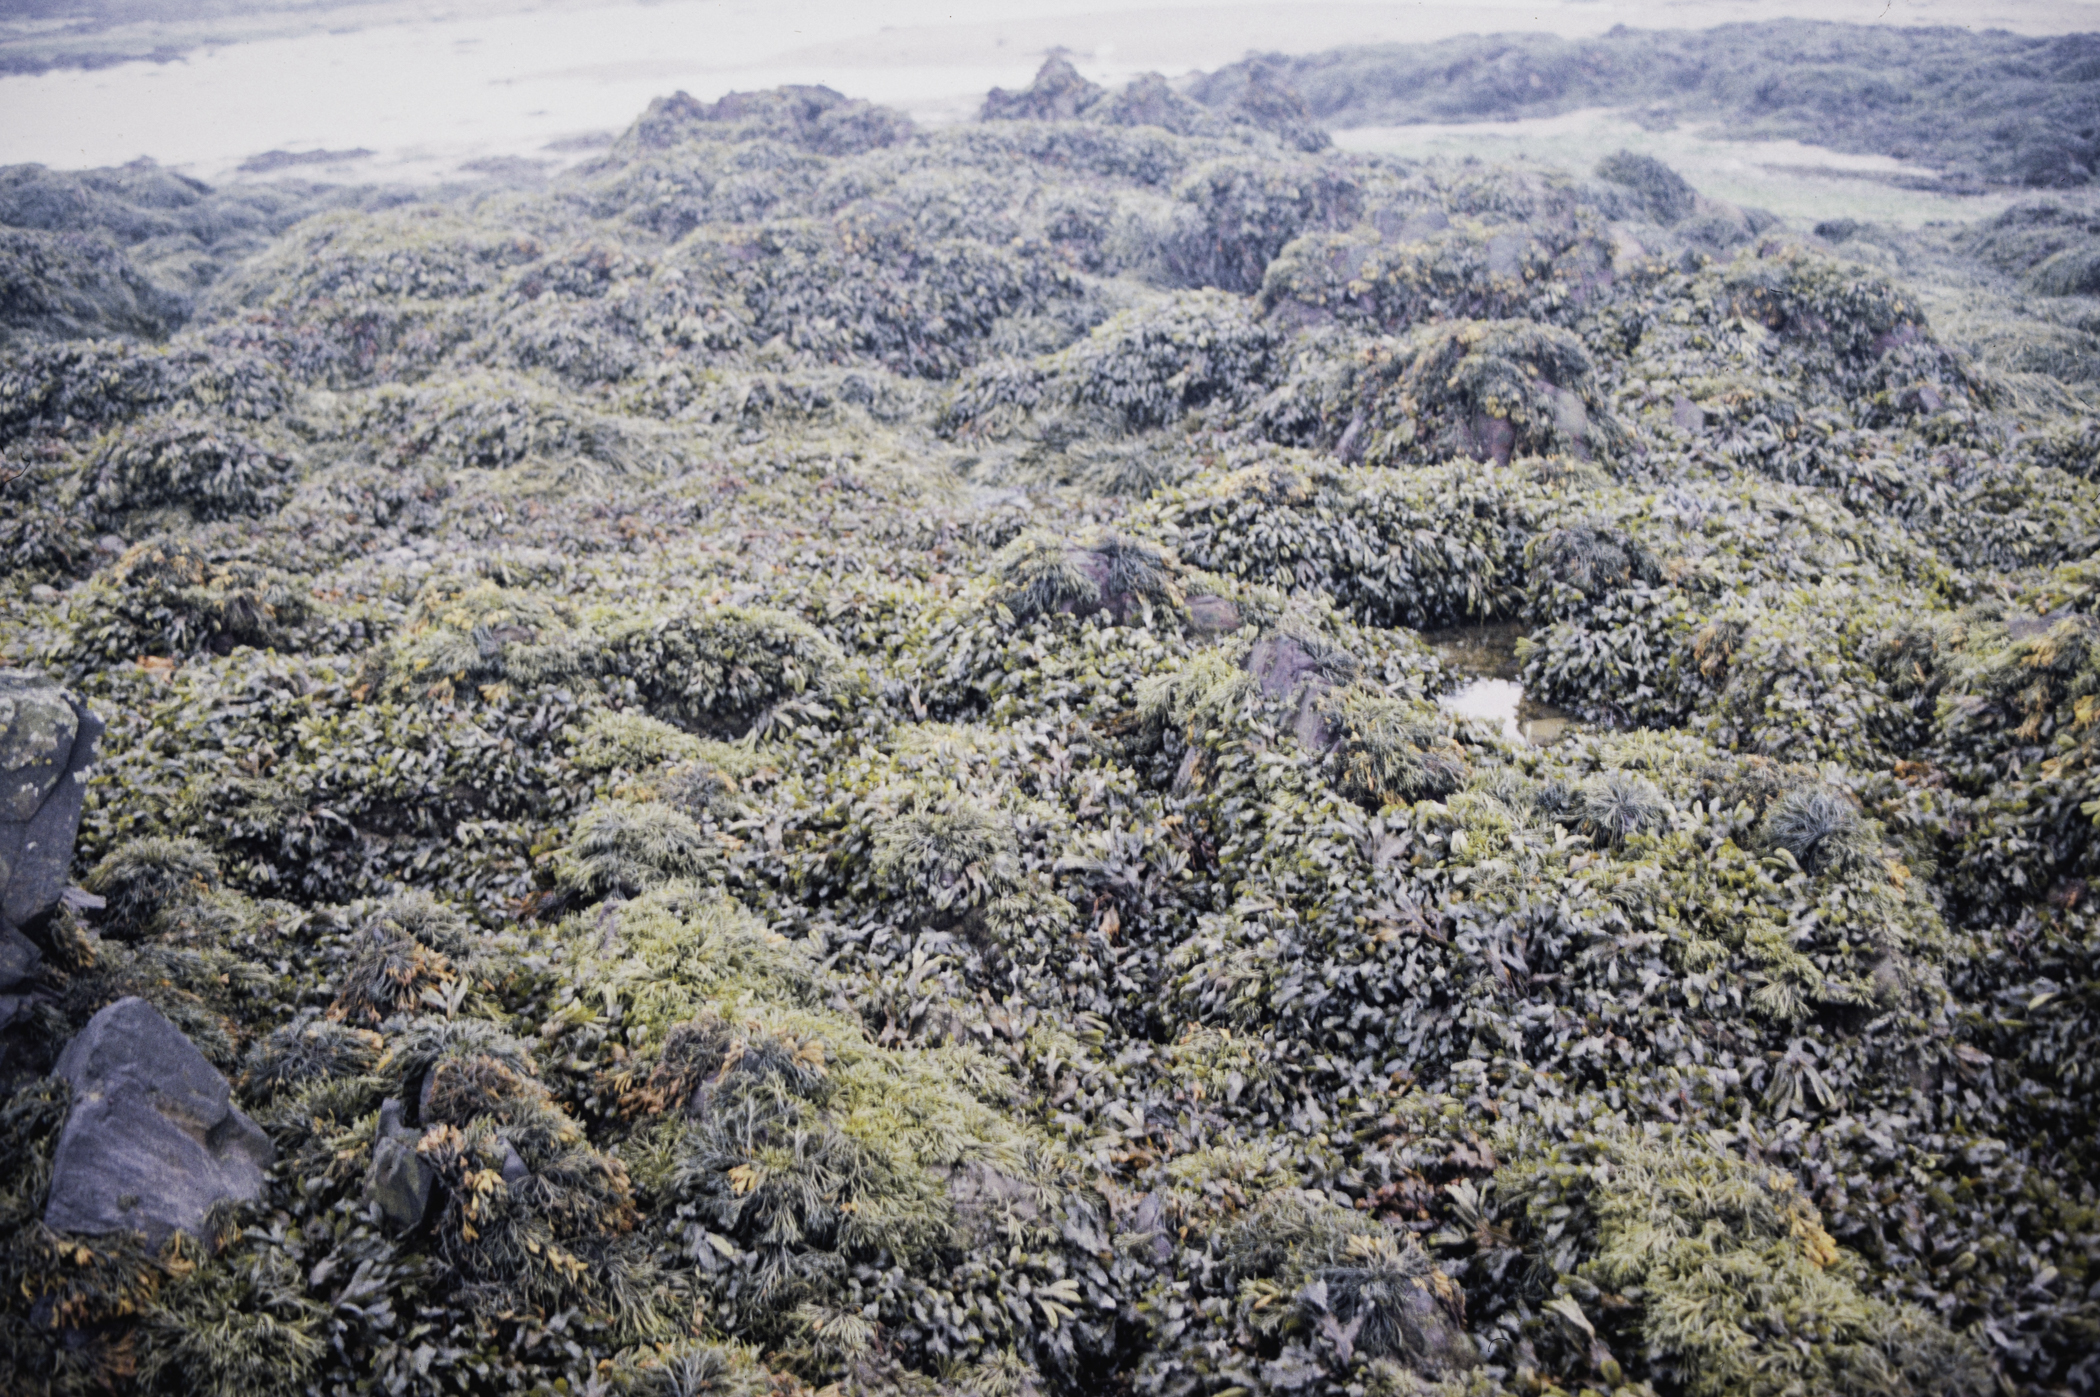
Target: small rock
<point>985,1197</point>
<point>1281,665</point>
<point>19,958</point>
<point>401,1180</point>
<point>1150,1220</point>
<point>47,744</point>
<point>1213,615</point>
<point>153,1139</point>
<point>43,595</point>
<point>110,543</point>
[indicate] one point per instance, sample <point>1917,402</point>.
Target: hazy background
<point>424,92</point>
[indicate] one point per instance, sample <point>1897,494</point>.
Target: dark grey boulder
<point>47,745</point>
<point>401,1180</point>
<point>153,1139</point>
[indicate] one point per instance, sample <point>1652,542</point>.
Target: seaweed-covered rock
<point>142,881</point>
<point>1058,93</point>
<point>153,1141</point>
<point>67,285</point>
<point>168,598</point>
<point>1112,576</point>
<point>47,747</point>
<point>1660,192</point>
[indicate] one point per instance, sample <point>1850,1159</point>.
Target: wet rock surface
<point>152,1140</point>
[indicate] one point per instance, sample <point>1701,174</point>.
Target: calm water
<point>1493,695</point>
<point>428,88</point>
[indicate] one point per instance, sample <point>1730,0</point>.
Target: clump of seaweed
<point>1718,1249</point>
<point>621,849</point>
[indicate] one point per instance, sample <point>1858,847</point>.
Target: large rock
<point>47,744</point>
<point>153,1139</point>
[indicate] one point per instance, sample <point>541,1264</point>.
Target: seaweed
<point>808,757</point>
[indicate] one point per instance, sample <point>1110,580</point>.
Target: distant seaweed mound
<point>125,251</point>
<point>1982,105</point>
<point>804,761</point>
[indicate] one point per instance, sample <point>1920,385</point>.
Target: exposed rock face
<point>153,1140</point>
<point>47,744</point>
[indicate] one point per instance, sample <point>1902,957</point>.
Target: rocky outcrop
<point>47,745</point>
<point>153,1140</point>
<point>1058,93</point>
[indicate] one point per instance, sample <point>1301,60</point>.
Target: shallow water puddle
<point>1493,695</point>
